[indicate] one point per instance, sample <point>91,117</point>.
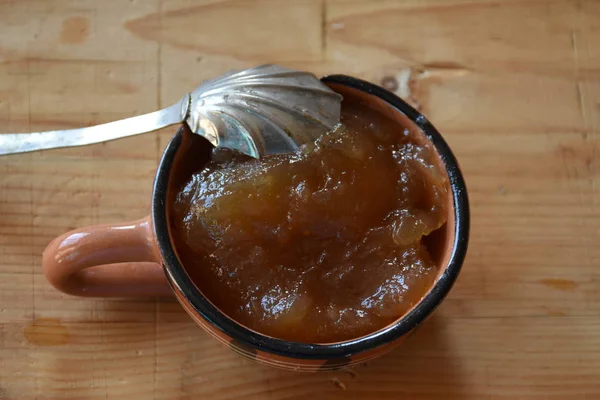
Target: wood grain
<point>513,85</point>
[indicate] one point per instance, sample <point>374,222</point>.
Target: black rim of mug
<point>342,350</point>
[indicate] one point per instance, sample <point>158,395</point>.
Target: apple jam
<point>318,246</point>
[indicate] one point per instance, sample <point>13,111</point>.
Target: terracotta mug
<point>140,259</point>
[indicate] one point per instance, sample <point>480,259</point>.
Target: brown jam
<point>319,246</point>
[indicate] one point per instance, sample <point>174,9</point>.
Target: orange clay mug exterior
<point>107,261</point>
<point>139,258</point>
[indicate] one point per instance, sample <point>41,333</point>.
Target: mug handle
<point>107,261</point>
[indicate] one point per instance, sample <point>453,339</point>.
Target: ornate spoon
<point>264,110</point>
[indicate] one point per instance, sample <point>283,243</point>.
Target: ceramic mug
<point>139,258</point>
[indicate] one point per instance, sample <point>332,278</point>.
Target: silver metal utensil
<point>264,110</point>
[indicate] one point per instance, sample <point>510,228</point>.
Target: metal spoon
<point>264,110</point>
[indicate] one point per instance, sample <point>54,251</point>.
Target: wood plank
<point>500,358</point>
<point>514,86</point>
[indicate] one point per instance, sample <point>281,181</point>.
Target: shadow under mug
<point>140,259</point>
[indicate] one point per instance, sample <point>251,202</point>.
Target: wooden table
<point>513,85</point>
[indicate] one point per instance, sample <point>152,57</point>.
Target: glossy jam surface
<point>318,246</point>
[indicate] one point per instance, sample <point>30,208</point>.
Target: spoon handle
<point>12,143</point>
